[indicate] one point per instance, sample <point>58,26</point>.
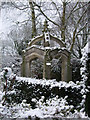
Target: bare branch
<point>80,7</point>
<point>74,54</point>
<point>47,16</point>
<point>74,33</point>
<point>24,21</point>
<point>82,28</point>
<point>72,10</point>
<point>18,7</point>
<point>56,8</point>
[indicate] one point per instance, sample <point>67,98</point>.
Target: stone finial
<point>46,34</point>
<point>45,26</point>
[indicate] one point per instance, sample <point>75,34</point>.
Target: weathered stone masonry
<point>46,53</point>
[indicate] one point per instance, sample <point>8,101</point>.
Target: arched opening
<point>36,68</point>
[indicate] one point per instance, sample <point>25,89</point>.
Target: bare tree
<point>71,22</point>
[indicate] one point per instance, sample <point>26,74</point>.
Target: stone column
<point>46,66</point>
<point>66,73</point>
<point>23,67</point>
<point>27,69</point>
<point>64,70</point>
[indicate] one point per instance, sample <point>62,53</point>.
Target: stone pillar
<point>27,69</point>
<point>64,69</point>
<point>47,65</point>
<point>23,67</point>
<point>66,74</point>
<point>69,69</point>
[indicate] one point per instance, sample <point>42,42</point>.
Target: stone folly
<point>46,53</point>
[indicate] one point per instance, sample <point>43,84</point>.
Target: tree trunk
<point>63,22</point>
<point>33,19</point>
<point>69,69</point>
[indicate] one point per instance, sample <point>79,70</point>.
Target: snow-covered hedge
<point>51,97</point>
<point>30,97</point>
<point>85,73</point>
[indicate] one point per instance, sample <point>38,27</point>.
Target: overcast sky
<point>45,0</point>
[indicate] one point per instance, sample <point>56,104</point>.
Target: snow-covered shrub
<point>42,98</point>
<point>85,73</point>
<point>48,89</point>
<point>13,62</point>
<point>87,102</point>
<point>55,106</point>
<point>7,79</point>
<point>5,75</point>
<point>84,63</point>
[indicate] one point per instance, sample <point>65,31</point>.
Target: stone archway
<point>30,54</point>
<point>46,53</point>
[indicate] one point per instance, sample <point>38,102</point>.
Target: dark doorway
<point>37,68</point>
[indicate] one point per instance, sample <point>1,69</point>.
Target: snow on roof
<point>45,48</point>
<point>35,38</point>
<point>36,46</point>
